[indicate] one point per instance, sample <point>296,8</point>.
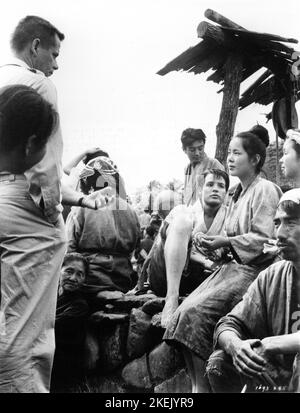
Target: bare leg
<point>196,370</point>
<point>175,251</point>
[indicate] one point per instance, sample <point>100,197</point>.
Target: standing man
<point>33,244</point>
<point>193,143</point>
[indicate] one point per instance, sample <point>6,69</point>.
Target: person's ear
<point>256,159</point>
<point>35,47</point>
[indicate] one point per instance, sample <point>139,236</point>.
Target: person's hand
<point>99,199</point>
<point>214,242</point>
<point>263,348</point>
<point>246,359</point>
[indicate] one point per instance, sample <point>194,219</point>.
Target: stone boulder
<point>180,383</point>
<point>139,339</point>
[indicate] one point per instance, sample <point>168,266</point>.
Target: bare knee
<point>182,225</point>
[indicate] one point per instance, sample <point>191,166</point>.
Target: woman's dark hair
<point>24,113</point>
<point>255,142</point>
<point>34,27</point>
<point>94,155</point>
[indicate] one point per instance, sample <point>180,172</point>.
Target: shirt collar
<point>14,60</point>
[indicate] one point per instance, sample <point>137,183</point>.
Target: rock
<point>139,340</point>
<point>136,375</point>
<point>128,302</point>
<point>164,362</point>
<point>180,383</point>
<point>108,318</point>
<point>109,296</point>
<point>106,297</point>
<point>154,306</point>
<point>112,347</point>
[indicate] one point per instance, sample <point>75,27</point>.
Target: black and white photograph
<point>150,199</point>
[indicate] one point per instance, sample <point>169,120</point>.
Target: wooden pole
<point>230,104</point>
<point>222,20</point>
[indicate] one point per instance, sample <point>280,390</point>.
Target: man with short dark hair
<point>193,143</point>
<point>35,251</point>
<point>176,263</point>
<point>260,337</point>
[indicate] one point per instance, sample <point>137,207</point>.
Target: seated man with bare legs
<point>176,264</point>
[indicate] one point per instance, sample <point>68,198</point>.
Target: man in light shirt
<point>193,144</point>
<point>33,248</point>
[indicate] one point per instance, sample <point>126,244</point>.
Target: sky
<point>109,94</point>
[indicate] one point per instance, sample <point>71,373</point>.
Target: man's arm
<point>80,157</point>
<point>244,357</point>
<point>284,344</point>
<point>96,200</point>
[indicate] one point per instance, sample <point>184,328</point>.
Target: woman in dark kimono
<point>107,237</point>
<point>249,224</point>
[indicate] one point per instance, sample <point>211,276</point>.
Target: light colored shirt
<point>44,178</point>
<point>249,223</point>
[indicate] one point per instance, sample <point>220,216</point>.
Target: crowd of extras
<point>227,252</point>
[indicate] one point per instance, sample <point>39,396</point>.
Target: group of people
<point>238,326</point>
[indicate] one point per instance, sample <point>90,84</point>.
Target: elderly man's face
<point>45,60</point>
<point>72,275</point>
<point>288,235</point>
<point>195,151</point>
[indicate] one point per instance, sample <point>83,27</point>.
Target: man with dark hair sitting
<point>70,324</point>
<point>176,263</point>
<point>258,340</point>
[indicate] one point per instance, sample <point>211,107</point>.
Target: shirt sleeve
<point>248,319</point>
<point>249,246</point>
<point>73,228</point>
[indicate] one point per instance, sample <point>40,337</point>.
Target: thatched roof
<point>258,50</point>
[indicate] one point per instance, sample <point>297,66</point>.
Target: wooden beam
<point>206,30</point>
<point>259,36</point>
<point>222,20</point>
<point>263,94</point>
<point>258,81</point>
<point>230,25</point>
<point>230,104</point>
